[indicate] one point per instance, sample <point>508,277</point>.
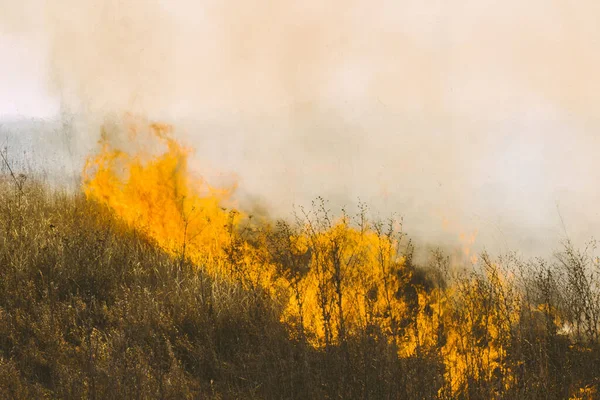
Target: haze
<point>462,116</point>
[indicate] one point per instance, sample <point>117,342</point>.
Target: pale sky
<point>23,80</point>
<point>480,113</point>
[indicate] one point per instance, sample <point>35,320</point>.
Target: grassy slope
<point>90,308</point>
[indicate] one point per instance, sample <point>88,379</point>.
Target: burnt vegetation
<point>90,307</point>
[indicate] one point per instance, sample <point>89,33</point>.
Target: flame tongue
<point>156,193</point>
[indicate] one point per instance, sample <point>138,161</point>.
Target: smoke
<point>466,116</point>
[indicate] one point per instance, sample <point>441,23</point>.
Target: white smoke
<point>481,113</point>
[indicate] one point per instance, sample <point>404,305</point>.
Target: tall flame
<point>334,277</point>
<point>157,194</point>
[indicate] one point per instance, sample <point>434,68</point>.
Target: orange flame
<point>156,193</point>
<point>158,196</point>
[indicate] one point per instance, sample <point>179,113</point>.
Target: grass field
<point>144,284</point>
<point>90,307</point>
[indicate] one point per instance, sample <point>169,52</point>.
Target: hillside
<point>92,308</point>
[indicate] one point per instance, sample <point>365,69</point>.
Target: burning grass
<point>146,285</point>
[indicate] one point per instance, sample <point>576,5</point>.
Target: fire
<point>158,195</point>
<point>468,240</point>
<point>335,277</point>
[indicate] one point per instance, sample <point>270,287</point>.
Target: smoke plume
<point>469,118</point>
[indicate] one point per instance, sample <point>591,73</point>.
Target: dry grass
<point>90,308</point>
